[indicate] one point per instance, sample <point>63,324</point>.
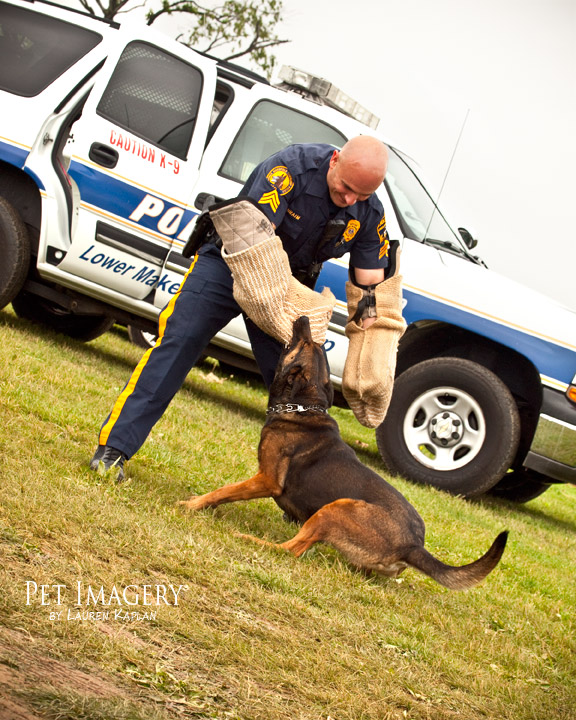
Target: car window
<point>269,128</point>
<point>419,217</point>
<point>140,99</point>
<point>36,49</point>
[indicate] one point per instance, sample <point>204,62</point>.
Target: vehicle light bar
<point>328,94</point>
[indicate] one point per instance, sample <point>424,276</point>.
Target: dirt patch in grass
<point>28,672</point>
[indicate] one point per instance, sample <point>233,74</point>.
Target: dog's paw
<point>193,503</point>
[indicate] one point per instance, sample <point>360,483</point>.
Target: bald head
<point>357,171</point>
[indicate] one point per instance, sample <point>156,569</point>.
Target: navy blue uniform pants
<point>203,305</point>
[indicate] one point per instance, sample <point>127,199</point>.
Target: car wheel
<point>43,312</point>
<point>520,486</point>
<point>452,424</point>
<point>15,253</point>
<point>142,338</point>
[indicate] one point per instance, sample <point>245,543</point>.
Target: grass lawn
<point>253,633</point>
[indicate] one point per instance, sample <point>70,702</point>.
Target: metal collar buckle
<point>294,407</point>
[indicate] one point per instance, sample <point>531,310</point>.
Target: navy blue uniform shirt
<point>291,189</point>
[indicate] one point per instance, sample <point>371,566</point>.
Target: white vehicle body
<point>107,166</point>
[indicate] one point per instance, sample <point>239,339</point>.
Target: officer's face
<point>349,183</point>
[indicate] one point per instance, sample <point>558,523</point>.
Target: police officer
<point>321,202</point>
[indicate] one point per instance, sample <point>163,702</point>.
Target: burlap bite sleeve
<point>241,224</point>
<point>370,364</point>
<point>263,283</point>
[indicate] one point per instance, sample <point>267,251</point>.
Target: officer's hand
<point>367,322</point>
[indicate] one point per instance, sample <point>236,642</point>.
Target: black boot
<point>109,461</point>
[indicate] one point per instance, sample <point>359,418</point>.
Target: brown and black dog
<point>317,480</point>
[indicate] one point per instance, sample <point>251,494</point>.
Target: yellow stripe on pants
<point>129,389</point>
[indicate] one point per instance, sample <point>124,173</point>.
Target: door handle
<point>103,155</point>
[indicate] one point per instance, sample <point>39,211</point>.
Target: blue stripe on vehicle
<point>18,157</point>
<point>334,277</point>
<point>550,358</point>
<point>13,154</point>
<point>118,197</point>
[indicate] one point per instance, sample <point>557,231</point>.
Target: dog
<point>318,481</point>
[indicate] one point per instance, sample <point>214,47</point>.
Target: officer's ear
<point>334,159</point>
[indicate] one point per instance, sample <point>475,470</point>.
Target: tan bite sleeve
<point>370,365</point>
<point>241,225</point>
<point>263,283</point>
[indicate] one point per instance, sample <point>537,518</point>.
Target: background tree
<point>230,30</point>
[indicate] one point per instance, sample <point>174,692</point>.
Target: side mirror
<point>469,240</point>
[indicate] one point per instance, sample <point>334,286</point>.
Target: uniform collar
<point>318,188</point>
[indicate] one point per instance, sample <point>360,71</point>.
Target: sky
<point>505,72</point>
<point>502,73</point>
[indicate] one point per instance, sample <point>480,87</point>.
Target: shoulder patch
<point>281,179</point>
<point>381,229</point>
<point>384,239</point>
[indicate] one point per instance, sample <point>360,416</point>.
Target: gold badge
<point>351,230</point>
<point>281,179</point>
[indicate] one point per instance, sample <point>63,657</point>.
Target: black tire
<point>14,253</point>
<point>44,312</point>
<point>452,424</point>
<point>521,486</point>
<point>142,338</point>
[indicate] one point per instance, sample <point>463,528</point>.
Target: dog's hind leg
<point>304,539</point>
<point>318,528</point>
<point>348,525</point>
<point>259,486</point>
<point>297,546</point>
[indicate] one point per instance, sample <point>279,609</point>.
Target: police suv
<point>110,142</point>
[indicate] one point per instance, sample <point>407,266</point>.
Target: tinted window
<point>154,95</point>
<point>269,128</point>
<point>36,49</point>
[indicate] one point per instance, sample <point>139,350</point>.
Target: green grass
<point>257,634</point>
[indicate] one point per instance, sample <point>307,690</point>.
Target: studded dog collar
<point>280,408</point>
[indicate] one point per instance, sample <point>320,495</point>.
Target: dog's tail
<point>458,578</point>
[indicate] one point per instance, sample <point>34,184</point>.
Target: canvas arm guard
<point>370,365</point>
<point>263,283</point>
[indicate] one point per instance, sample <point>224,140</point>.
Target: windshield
<point>419,217</point>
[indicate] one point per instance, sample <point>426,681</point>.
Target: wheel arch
<point>425,340</point>
<point>20,190</point>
